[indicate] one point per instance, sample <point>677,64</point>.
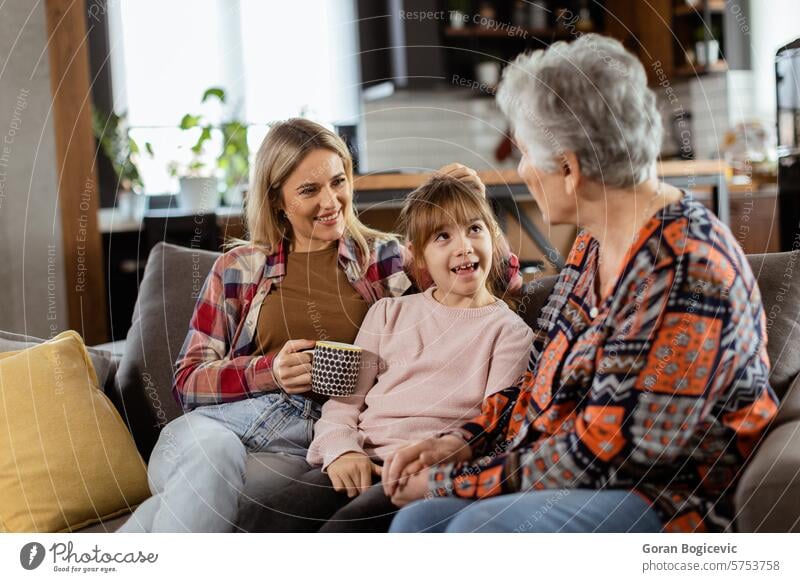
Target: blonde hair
<point>441,201</point>
<point>286,144</point>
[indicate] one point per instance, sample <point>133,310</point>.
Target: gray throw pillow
<point>167,296</point>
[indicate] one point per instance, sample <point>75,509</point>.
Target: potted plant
<point>706,50</point>
<point>122,151</point>
<point>199,177</point>
<point>458,13</point>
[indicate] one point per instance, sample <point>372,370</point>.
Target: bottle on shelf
<point>538,14</point>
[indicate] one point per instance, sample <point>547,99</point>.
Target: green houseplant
<point>232,162</point>
<point>116,143</point>
<point>707,49</point>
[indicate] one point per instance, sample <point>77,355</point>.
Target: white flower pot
<point>131,205</point>
<point>138,206</point>
<point>488,73</point>
<point>713,51</point>
<point>457,19</point>
<point>233,196</point>
<point>707,53</point>
<point>198,194</point>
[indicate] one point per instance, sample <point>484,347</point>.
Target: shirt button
<point>593,312</point>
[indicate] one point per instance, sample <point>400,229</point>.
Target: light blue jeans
<point>560,510</point>
<point>196,471</point>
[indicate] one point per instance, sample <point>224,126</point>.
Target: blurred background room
<point>129,122</point>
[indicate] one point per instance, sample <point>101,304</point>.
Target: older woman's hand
<point>416,488</point>
<point>291,368</point>
<point>465,174</point>
<point>409,461</point>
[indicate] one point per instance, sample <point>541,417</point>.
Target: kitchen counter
<point>668,169</point>
<point>504,188</point>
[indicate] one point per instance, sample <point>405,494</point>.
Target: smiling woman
<point>309,271</point>
<point>315,201</point>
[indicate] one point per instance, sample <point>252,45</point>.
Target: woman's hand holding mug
<point>291,367</point>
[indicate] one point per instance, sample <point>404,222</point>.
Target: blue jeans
<point>196,471</point>
<point>559,510</point>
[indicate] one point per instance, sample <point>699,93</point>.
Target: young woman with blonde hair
<point>309,271</point>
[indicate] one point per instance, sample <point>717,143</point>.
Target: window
<point>274,60</point>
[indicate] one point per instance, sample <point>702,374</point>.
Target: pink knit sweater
<point>426,368</point>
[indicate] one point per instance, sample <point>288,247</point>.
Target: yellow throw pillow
<point>67,459</point>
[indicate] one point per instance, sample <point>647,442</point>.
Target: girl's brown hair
<point>442,201</point>
<point>286,144</point>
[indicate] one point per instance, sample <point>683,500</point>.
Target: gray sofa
<point>139,382</point>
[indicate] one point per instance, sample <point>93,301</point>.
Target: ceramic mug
<point>334,368</point>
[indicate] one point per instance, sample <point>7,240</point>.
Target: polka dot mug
<point>334,368</point>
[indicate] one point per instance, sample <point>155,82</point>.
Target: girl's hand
<point>415,488</point>
<point>291,368</point>
<point>409,460</point>
<point>352,472</point>
<point>465,174</point>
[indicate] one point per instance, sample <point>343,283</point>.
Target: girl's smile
<point>466,269</point>
<point>459,258</point>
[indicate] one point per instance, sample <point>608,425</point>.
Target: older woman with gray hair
<point>647,389</point>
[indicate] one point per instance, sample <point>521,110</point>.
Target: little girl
<point>429,360</point>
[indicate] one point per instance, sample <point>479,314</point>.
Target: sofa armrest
<point>116,348</point>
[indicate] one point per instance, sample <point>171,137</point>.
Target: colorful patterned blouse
<point>661,388</point>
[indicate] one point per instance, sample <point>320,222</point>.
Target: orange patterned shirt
<point>660,388</point>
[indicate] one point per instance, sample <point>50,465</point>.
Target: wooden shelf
<point>506,176</point>
<point>694,70</point>
<point>512,32</point>
<point>715,6</point>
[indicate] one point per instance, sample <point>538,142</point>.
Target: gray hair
<point>591,97</point>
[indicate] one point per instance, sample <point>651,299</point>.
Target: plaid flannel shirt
<point>216,363</point>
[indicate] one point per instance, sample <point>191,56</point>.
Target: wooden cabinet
<point>679,39</point>
<point>645,28</point>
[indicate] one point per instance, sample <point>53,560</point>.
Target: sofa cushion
<point>780,293</point>
<point>116,348</point>
<point>106,526</point>
<point>66,458</point>
<point>102,360</point>
<point>265,474</point>
<point>790,404</point>
<point>768,496</point>
<point>167,296</point>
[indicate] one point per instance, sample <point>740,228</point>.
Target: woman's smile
<point>329,218</point>
<point>317,199</point>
